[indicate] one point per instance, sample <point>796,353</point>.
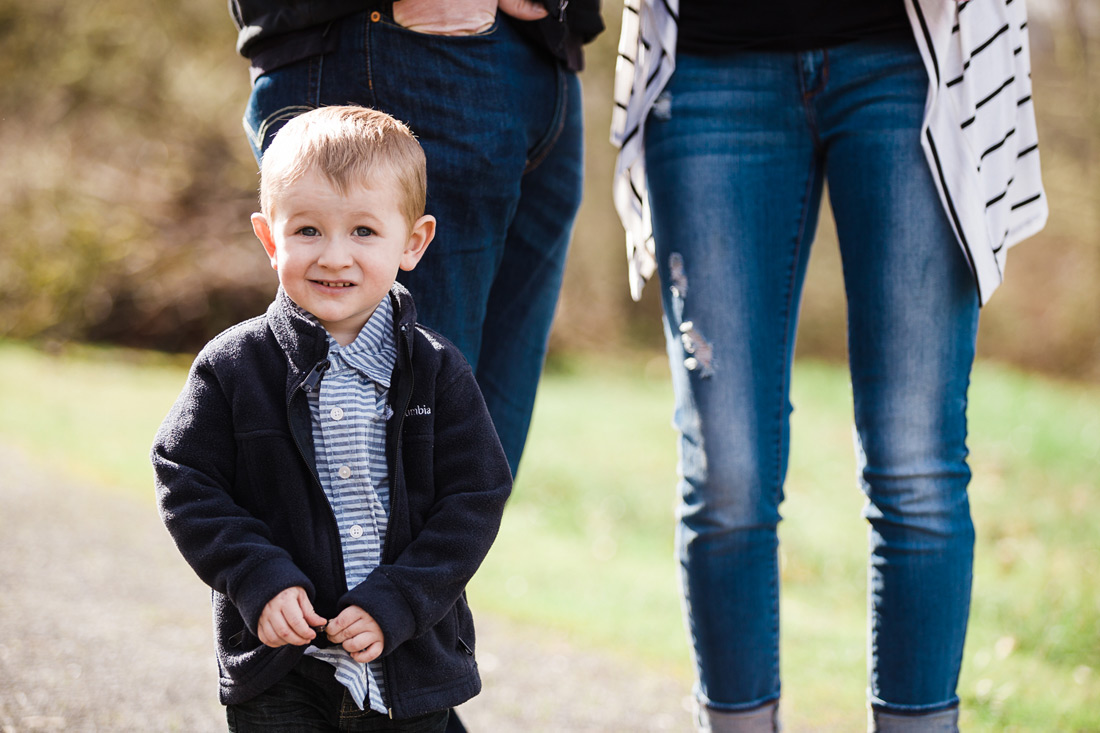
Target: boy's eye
<point>308,232</point>
<point>363,231</point>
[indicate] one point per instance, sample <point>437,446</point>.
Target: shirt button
<point>356,531</point>
<point>344,472</point>
<point>336,413</point>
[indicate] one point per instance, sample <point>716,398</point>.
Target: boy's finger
<point>297,630</point>
<point>352,627</point>
<point>361,642</point>
<point>342,626</point>
<point>334,627</point>
<point>277,633</point>
<point>372,652</point>
<point>298,638</point>
<point>311,617</point>
<point>288,635</point>
<point>291,627</point>
<point>265,635</point>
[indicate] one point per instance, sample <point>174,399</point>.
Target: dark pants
<point>309,699</point>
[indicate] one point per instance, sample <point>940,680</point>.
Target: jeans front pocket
<point>278,96</point>
<point>390,21</point>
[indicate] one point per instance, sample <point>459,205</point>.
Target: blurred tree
<point>126,184</point>
<point>1048,314</point>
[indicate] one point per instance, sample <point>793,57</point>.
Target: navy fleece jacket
<point>238,491</point>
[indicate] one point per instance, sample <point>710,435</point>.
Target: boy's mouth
<point>334,284</point>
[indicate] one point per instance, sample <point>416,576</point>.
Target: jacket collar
<point>404,310</point>
<point>305,343</point>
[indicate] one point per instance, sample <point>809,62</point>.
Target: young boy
<point>330,469</point>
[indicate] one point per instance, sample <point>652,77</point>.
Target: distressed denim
<point>738,151</point>
<point>500,122</point>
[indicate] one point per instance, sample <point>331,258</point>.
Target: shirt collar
<point>373,353</point>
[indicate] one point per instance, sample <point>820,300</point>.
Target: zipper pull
<point>562,5</point>
<point>314,377</point>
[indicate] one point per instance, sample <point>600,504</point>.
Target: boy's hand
<point>287,618</point>
<point>358,633</point>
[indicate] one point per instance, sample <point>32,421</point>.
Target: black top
<point>716,26</point>
<point>273,33</point>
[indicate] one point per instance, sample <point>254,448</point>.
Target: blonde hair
<point>348,145</point>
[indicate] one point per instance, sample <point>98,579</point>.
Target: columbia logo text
<point>418,410</point>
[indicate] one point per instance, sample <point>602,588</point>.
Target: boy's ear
<point>263,233</point>
<point>423,231</point>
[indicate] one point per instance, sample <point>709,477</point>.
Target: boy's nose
<point>336,254</point>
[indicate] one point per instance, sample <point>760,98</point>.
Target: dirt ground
<point>106,629</point>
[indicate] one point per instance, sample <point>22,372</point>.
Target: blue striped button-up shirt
<point>349,413</point>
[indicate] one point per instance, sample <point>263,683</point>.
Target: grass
<point>587,542</point>
<point>91,412</point>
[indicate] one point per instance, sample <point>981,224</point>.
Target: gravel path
<point>106,629</point>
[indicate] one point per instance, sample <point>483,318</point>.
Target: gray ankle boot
<point>942,721</point>
<point>764,719</point>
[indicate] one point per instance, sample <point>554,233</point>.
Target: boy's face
<point>337,255</point>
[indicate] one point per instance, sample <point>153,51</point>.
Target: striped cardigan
<point>978,135</point>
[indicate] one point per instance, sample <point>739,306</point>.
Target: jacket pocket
<point>442,656</point>
<point>464,627</point>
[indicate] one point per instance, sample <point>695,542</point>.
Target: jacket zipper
<point>314,377</point>
<point>399,415</point>
<point>310,383</point>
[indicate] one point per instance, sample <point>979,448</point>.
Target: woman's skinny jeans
<point>738,150</point>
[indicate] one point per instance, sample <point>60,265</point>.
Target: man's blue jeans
<point>737,152</point>
<point>500,122</point>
